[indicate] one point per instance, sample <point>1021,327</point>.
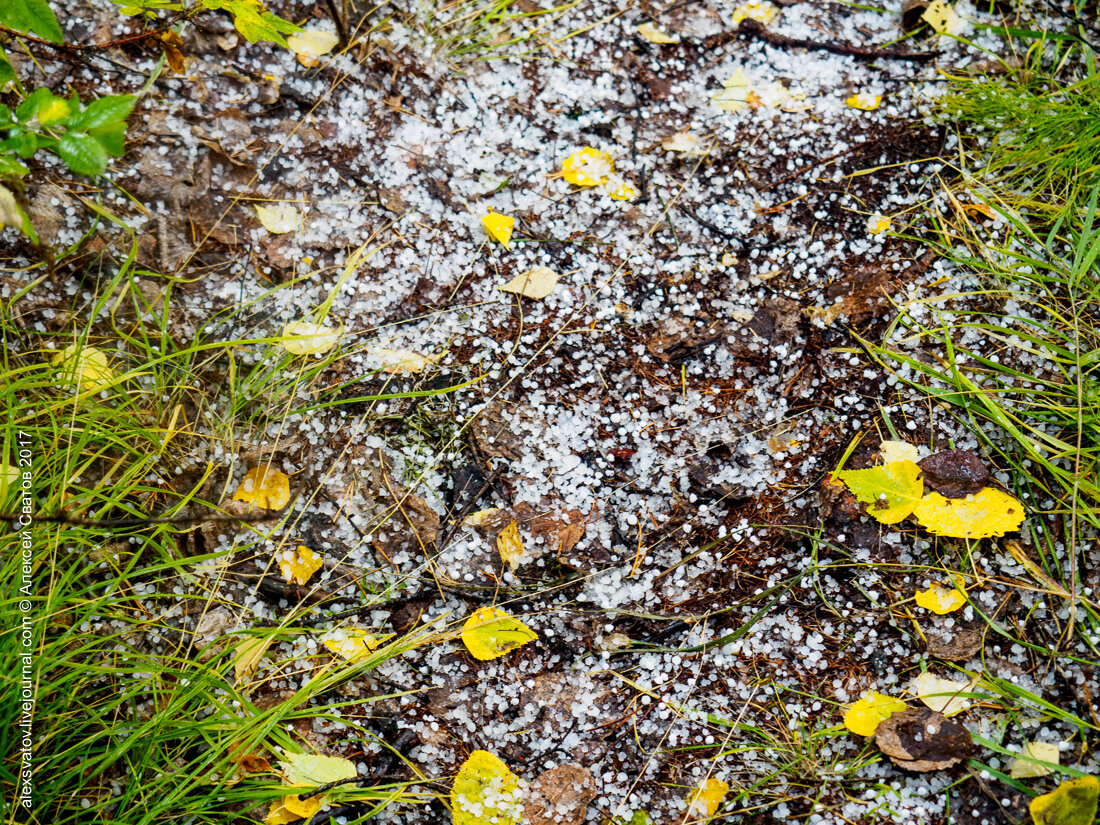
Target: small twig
<point>754,30</point>
<point>334,13</point>
<point>78,47</point>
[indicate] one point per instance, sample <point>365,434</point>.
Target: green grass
<point>490,29</point>
<point>135,721</point>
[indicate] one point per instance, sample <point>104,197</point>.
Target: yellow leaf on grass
<point>1025,765</point>
<point>298,565</point>
<point>312,44</point>
<point>313,769</point>
<point>248,656</point>
<point>941,695</point>
<point>264,487</point>
<point>279,219</point>
<point>654,35</point>
<point>864,716</point>
<point>588,167</point>
<point>510,546</point>
<point>941,600</point>
<point>292,809</point>
<point>490,633</point>
<point>762,12</point>
<point>864,101</point>
<point>942,17</point>
<point>486,792</point>
<point>988,512</point>
<point>1071,803</point>
<point>706,797</point>
<point>892,491</point>
<point>307,338</point>
<point>537,282</point>
<point>86,367</point>
<point>734,95</point>
<point>354,643</point>
<point>891,451</point>
<point>499,227</point>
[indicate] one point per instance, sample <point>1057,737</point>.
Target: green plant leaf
<point>103,112</point>
<point>111,137</point>
<point>253,21</point>
<point>1071,803</point>
<point>7,71</point>
<point>83,154</point>
<point>29,107</point>
<point>10,167</point>
<point>892,491</point>
<point>12,214</point>
<point>22,143</point>
<point>31,16</point>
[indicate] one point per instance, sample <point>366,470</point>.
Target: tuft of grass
<point>488,29</point>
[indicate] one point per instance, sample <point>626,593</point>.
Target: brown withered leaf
<point>954,473</point>
<point>923,740</point>
<point>559,796</point>
<point>560,527</point>
<point>954,644</point>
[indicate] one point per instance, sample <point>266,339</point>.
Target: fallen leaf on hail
<point>941,600</point>
<point>1025,765</point>
<point>490,633</point>
<point>486,519</point>
<point>987,513</point>
<point>313,769</point>
<point>864,101</point>
<point>654,35</point>
<point>734,95</point>
<point>402,361</point>
<point>510,546</point>
<point>298,565</point>
<point>307,338</point>
<point>979,210</point>
<point>354,643</point>
<point>864,716</point>
<point>686,143</point>
<point>248,656</point>
<point>499,227</point>
<point>264,487</point>
<point>618,189</point>
<point>876,225</point>
<point>537,282</point>
<point>941,695</point>
<point>486,792</point>
<point>762,12</point>
<point>705,799</point>
<point>891,451</point>
<point>923,740</point>
<point>279,219</point>
<point>943,18</point>
<point>777,96</point>
<point>891,491</point>
<point>588,167</point>
<point>85,367</point>
<point>1071,803</point>
<point>312,44</point>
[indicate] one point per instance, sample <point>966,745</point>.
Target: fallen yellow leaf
<point>891,451</point>
<point>86,367</point>
<point>891,491</point>
<point>311,44</point>
<point>941,600</point>
<point>499,227</point>
<point>1024,766</point>
<point>490,633</point>
<point>314,769</point>
<point>618,189</point>
<point>942,17</point>
<point>307,338</point>
<point>705,799</point>
<point>734,95</point>
<point>686,143</point>
<point>863,717</point>
<point>298,565</point>
<point>510,546</point>
<point>354,643</point>
<point>588,167</point>
<point>402,361</point>
<point>248,656</point>
<point>987,513</point>
<point>864,101</point>
<point>654,35</point>
<point>264,487</point>
<point>486,792</point>
<point>762,12</point>
<point>941,695</point>
<point>876,225</point>
<point>279,219</point>
<point>537,282</point>
<point>1071,803</point>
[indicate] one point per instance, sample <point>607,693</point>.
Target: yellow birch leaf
<point>864,101</point>
<point>1025,766</point>
<point>941,695</point>
<point>313,769</point>
<point>890,491</point>
<point>588,167</point>
<point>618,189</point>
<point>307,338</point>
<point>354,643</point>
<point>278,814</point>
<point>654,35</point>
<point>402,361</point>
<point>484,518</point>
<point>298,565</point>
<point>876,225</point>
<point>510,546</point>
<point>1071,803</point>
<point>499,227</point>
<point>891,451</point>
<point>762,12</point>
<point>537,282</point>
<point>248,656</point>
<point>486,792</point>
<point>941,600</point>
<point>989,512</point>
<point>490,633</point>
<point>863,717</point>
<point>264,487</point>
<point>734,95</point>
<point>303,808</point>
<point>705,799</point>
<point>279,219</point>
<point>86,367</point>
<point>312,44</point>
<point>942,17</point>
